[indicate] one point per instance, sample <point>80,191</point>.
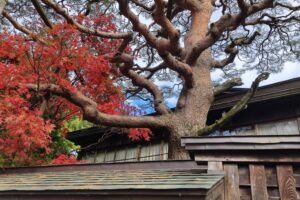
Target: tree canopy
<point>90,55</point>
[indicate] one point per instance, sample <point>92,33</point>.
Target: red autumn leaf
<point>70,59</point>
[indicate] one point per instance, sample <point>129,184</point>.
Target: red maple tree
<point>63,57</point>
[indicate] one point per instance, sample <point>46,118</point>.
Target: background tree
<point>175,37</point>
<point>33,121</point>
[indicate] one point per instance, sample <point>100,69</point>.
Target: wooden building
<point>274,110</point>
<point>256,167</point>
<point>224,168</point>
<point>255,157</point>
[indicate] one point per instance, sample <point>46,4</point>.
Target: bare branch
<point>232,54</point>
<point>227,85</point>
<point>138,3</point>
<point>235,109</point>
<point>166,24</point>
<point>293,8</point>
<point>82,28</point>
<point>225,23</point>
<point>180,67</point>
<point>22,28</point>
<point>161,45</point>
<point>232,51</point>
<point>126,69</point>
<point>42,13</point>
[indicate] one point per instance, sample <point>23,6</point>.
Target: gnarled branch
<point>90,112</point>
<point>181,68</point>
<point>22,28</point>
<point>233,51</point>
<point>42,13</point>
<point>165,23</point>
<point>126,70</point>
<point>235,109</point>
<point>226,22</point>
<point>227,85</point>
<point>58,9</point>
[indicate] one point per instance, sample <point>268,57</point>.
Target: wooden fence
<point>255,167</point>
<point>259,181</point>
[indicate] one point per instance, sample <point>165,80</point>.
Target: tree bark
<point>194,102</point>
<point>192,109</point>
<point>2,5</point>
<point>176,151</point>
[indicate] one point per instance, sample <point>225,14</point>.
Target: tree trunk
<point>193,103</point>
<point>176,152</point>
<point>192,108</point>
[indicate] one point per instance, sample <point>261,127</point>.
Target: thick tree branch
<point>175,11</point>
<point>161,45</point>
<point>191,5</point>
<point>22,28</point>
<point>165,23</point>
<point>42,13</point>
<point>58,9</point>
<point>16,24</point>
<point>183,69</point>
<point>90,112</point>
<point>225,23</point>
<point>235,109</point>
<point>126,70</point>
<point>272,21</point>
<point>221,64</point>
<point>233,51</point>
<point>227,85</point>
<point>2,5</point>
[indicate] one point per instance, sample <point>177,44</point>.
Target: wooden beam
<point>258,182</point>
<point>214,167</point>
<point>253,139</point>
<point>231,182</point>
<point>286,182</point>
<point>260,157</point>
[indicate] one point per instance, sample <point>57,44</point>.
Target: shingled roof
<point>109,180</point>
<point>115,183</point>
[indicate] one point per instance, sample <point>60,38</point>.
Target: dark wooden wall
<point>259,181</point>
<point>255,167</point>
<point>261,112</point>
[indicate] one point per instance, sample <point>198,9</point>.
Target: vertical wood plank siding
<point>258,182</point>
<point>264,181</point>
<point>256,167</point>
<point>231,182</point>
<point>287,182</point>
<point>146,152</point>
<point>214,167</point>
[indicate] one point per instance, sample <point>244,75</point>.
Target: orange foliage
<point>70,59</point>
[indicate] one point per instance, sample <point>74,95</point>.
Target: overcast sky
<point>290,70</point>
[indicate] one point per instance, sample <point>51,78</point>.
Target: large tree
<point>185,39</point>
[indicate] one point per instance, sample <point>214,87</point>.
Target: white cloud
<point>290,70</point>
